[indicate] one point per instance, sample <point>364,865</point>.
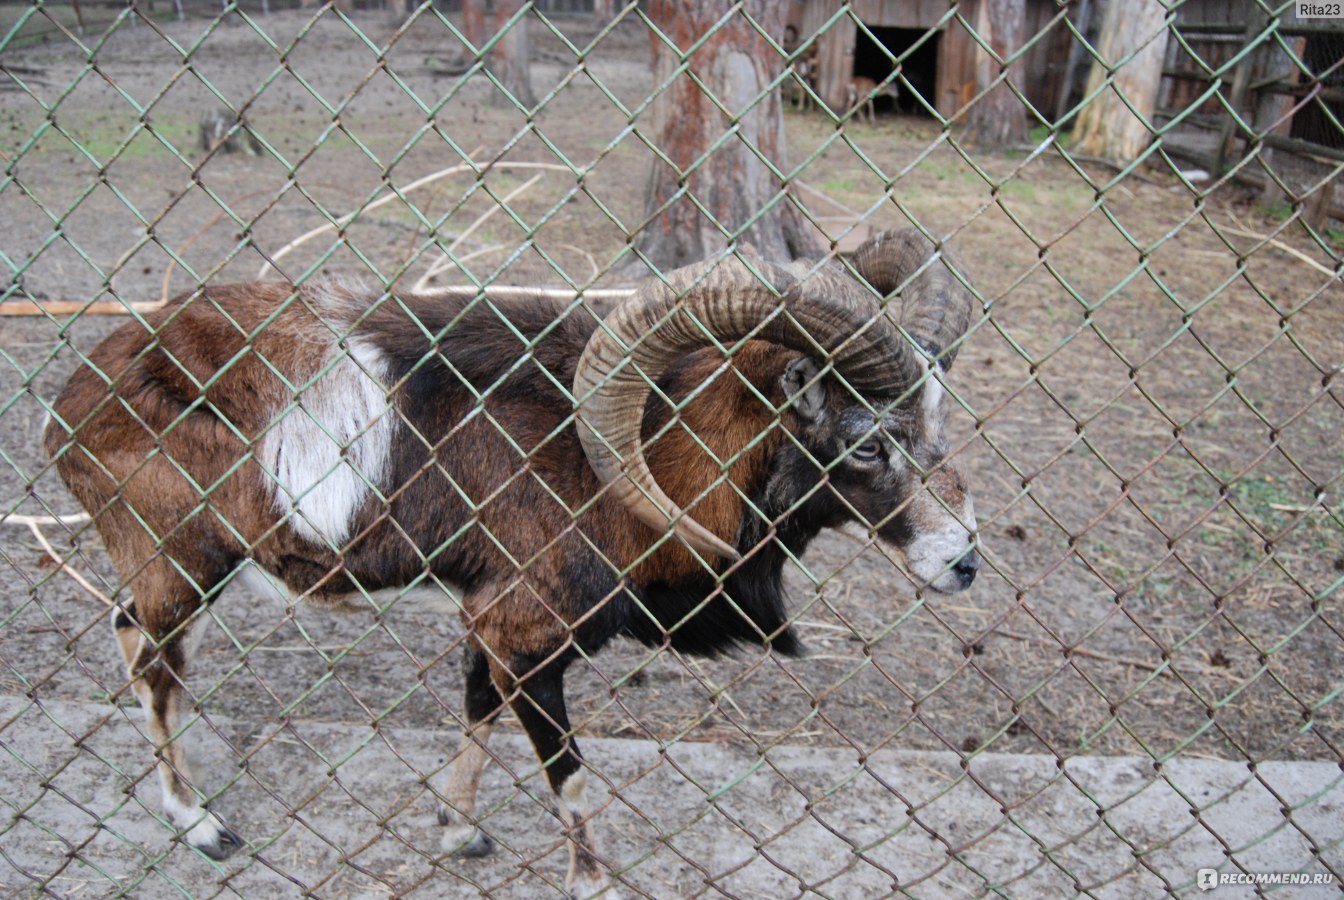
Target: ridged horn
<point>826,316</point>
<point>935,308</point>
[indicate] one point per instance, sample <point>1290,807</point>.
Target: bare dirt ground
<point>1151,412</point>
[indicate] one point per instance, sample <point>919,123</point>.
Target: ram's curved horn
<point>935,308</point>
<point>827,315</point>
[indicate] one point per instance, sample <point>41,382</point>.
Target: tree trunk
<point>508,59</point>
<point>998,118</point>
<point>473,22</point>
<point>699,210</point>
<point>1133,44</point>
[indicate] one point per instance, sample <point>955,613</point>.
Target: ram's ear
<point>804,389</point>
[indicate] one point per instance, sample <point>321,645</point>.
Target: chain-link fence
<point>567,328</point>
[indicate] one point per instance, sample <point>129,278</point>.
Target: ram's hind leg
<point>155,633</point>
<point>461,835</point>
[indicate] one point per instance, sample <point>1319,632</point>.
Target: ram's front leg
<point>539,704</point>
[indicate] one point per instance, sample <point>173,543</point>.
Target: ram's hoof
<point>220,846</point>
<point>593,886</point>
<point>468,841</point>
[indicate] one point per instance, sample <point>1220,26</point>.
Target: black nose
<point>967,567</point>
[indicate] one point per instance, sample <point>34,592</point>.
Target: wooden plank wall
<point>1041,69</point>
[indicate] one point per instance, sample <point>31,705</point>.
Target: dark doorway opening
<point>877,59</point>
<point>1312,122</point>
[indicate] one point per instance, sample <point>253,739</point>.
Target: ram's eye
<point>866,451</point>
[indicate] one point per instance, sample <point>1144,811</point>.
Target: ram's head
<point>867,400</point>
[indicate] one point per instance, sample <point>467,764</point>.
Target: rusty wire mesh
<point>1145,678</point>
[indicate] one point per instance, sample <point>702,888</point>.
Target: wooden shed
<point>938,54</point>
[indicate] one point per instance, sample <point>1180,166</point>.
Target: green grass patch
<point>834,186</point>
<point>163,140</point>
<point>26,25</point>
<point>1279,212</point>
<point>1038,135</point>
<point>1067,196</point>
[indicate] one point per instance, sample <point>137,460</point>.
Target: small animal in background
<point>863,91</point>
<point>801,88</point>
<point>797,91</point>
<point>227,131</point>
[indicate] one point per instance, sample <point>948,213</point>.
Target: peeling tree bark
<point>997,119</point>
<point>1107,127</point>
<point>709,206</point>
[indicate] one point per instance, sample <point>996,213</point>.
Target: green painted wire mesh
<point>1145,679</point>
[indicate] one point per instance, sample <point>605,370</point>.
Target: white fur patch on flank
<point>333,443</point>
